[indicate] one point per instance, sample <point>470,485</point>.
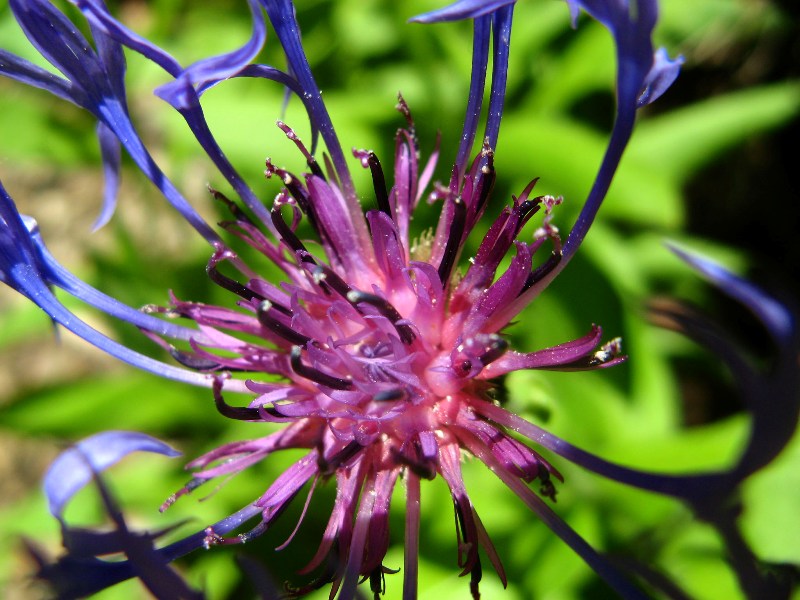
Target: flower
<point>376,350</point>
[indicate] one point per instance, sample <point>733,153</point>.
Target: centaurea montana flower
<point>385,353</point>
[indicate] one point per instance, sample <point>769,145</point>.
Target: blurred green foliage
<point>670,408</point>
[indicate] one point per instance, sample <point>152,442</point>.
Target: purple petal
<point>580,546</point>
<point>77,466</point>
<point>411,550</point>
<point>486,314</point>
<point>562,354</point>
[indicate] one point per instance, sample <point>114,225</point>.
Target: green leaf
<point>681,142</point>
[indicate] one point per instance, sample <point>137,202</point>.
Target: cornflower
<point>376,352</point>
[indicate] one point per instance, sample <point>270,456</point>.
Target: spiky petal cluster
<point>385,354</point>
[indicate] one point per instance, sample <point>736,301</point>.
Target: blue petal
<point>463,9</point>
<point>98,79</point>
<point>211,70</point>
<point>77,466</point>
<point>23,269</point>
<point>58,276</point>
<point>640,77</point>
<point>110,150</point>
<point>480,60</point>
<point>282,16</point>
<point>60,42</point>
<point>775,317</point>
<point>661,76</point>
<point>501,32</point>
<point>26,72</point>
<point>98,16</point>
<point>183,94</point>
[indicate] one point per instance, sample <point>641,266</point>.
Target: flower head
<point>385,354</point>
<point>379,350</point>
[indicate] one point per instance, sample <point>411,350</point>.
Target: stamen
<point>497,348</point>
<point>316,375</point>
<point>325,276</point>
<point>230,284</point>
<point>214,539</point>
<point>310,160</point>
<point>234,412</point>
<point>256,531</point>
<point>193,362</point>
<point>541,271</point>
<point>288,236</point>
<point>475,576</point>
<point>298,192</point>
<point>370,159</point>
<point>402,108</point>
<point>192,485</point>
<point>377,583</point>
<point>237,212</point>
<point>607,351</point>
<point>527,209</point>
<point>275,326</point>
<point>422,467</point>
<point>485,180</point>
<point>387,310</point>
<point>390,395</point>
<point>464,543</point>
<point>453,241</point>
<point>328,467</point>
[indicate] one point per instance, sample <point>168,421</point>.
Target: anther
<point>237,212</point>
<point>329,467</point>
<point>486,181</point>
<point>316,375</point>
<point>387,310</point>
<point>233,412</point>
<point>402,108</point>
<point>379,183</point>
<point>541,271</point>
<point>288,236</point>
<point>310,160</point>
<point>191,485</point>
<point>453,240</point>
<point>607,351</point>
<point>278,328</point>
<point>496,348</point>
<point>324,276</point>
<point>390,395</point>
<point>230,284</point>
<point>193,362</point>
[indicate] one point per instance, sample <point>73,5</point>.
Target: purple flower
<point>376,350</point>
